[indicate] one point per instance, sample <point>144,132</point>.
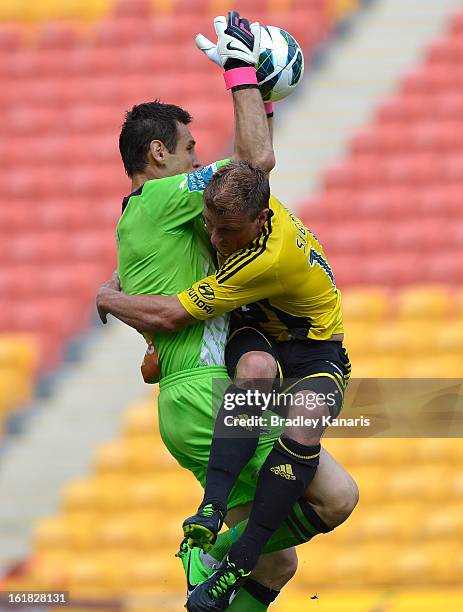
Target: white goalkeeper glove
<point>238,42</point>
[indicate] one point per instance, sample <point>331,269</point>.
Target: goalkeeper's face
<point>184,158</point>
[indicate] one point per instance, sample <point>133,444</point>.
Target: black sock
<point>286,473</point>
<point>261,593</point>
<point>231,448</point>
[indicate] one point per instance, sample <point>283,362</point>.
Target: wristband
<point>268,108</point>
<point>240,76</point>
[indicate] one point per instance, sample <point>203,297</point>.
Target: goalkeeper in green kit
<point>163,247</point>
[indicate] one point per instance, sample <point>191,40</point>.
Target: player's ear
<point>262,217</point>
<point>158,152</point>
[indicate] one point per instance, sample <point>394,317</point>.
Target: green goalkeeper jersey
<point>163,248</point>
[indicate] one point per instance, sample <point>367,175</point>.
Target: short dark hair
<point>238,187</point>
<point>145,123</point>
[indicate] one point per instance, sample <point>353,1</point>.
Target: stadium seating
<point>74,77</point>
<point>113,516</point>
<point>396,197</point>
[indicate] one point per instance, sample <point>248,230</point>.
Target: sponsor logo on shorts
<point>206,291</point>
<point>200,303</point>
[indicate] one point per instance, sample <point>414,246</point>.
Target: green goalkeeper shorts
<point>188,404</point>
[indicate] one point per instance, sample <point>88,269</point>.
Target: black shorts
<point>321,366</point>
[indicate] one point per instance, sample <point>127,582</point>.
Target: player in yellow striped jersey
<point>273,274</point>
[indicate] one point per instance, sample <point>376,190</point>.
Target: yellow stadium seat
<point>364,305</point>
<point>144,492</point>
<point>48,575</point>
<point>433,450</point>
<point>387,339</point>
<point>163,7</point>
<point>342,9</point>
<point>370,481</point>
<point>140,421</point>
<point>358,338</point>
<point>426,482</point>
<point>19,350</point>
<point>15,389</point>
<point>417,337</point>
<point>444,523</point>
<point>116,533</point>
<point>145,574</point>
<point>45,10</point>
<point>377,559</point>
<point>370,451</point>
<point>448,337</point>
<point>80,495</point>
<point>89,577</point>
<point>52,537</point>
<point>438,365</point>
<point>425,302</point>
<point>456,484</point>
<point>385,523</point>
<point>378,366</point>
<point>144,456</point>
<point>112,458</point>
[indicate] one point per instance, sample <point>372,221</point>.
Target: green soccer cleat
<point>217,592</point>
<point>197,565</point>
<point>202,528</point>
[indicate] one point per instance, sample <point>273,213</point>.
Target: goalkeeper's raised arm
<point>237,51</point>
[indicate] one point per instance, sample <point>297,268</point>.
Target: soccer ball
<point>281,64</point>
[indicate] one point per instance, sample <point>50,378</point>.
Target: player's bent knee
<point>276,569</point>
<point>345,502</point>
<point>256,365</point>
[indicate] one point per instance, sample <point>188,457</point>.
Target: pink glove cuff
<point>268,107</point>
<point>240,76</point>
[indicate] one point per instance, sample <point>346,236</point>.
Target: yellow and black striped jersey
<point>281,280</point>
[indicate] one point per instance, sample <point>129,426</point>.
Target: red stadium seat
<point>132,8</point>
<point>445,50</point>
<point>122,32</point>
<point>457,24</point>
<point>386,202</point>
<point>444,200</point>
<point>421,235</point>
<point>348,269</point>
<point>444,267</point>
<point>29,121</point>
<point>91,119</point>
<point>409,169</point>
<point>11,37</point>
<point>199,7</point>
<point>398,268</point>
<point>449,106</point>
<point>452,168</point>
<point>57,36</point>
<point>21,65</point>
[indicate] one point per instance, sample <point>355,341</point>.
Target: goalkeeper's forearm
<point>253,141</point>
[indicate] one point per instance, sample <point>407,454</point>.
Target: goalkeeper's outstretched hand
<point>237,42</point>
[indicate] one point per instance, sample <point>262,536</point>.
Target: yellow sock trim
<point>295,454</point>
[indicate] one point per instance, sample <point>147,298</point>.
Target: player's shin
<point>300,526</point>
<point>236,436</point>
<point>286,473</point>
